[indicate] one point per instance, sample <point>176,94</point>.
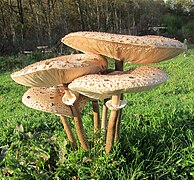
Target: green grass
<point>156,141</point>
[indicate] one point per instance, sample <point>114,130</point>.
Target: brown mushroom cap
<point>100,86</point>
<point>133,49</point>
<point>50,100</point>
<point>59,70</point>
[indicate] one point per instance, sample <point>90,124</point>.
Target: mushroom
<point>50,100</point>
<point>59,70</point>
<point>133,49</point>
<point>112,85</point>
<point>62,70</point>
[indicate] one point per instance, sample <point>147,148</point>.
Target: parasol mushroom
<point>62,70</point>
<point>132,49</point>
<point>50,100</point>
<point>59,70</point>
<point>113,84</point>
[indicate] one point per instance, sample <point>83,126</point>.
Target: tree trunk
<point>64,18</point>
<point>80,13</point>
<point>21,14</point>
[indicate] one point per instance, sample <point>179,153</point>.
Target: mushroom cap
<point>100,86</point>
<point>59,70</point>
<point>50,100</point>
<point>133,49</point>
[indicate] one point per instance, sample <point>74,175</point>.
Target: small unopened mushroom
<point>112,85</point>
<point>50,100</point>
<point>59,70</point>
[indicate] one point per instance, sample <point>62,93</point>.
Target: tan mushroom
<point>59,101</point>
<point>50,100</point>
<point>133,49</point>
<point>62,70</point>
<point>59,70</point>
<point>112,85</point>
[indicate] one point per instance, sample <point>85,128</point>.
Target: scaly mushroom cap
<point>134,49</point>
<point>50,100</point>
<point>59,70</point>
<point>100,86</point>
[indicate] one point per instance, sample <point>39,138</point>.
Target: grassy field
<point>156,142</point>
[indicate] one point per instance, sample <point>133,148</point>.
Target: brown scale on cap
<point>134,49</point>
<point>59,70</point>
<point>50,100</point>
<point>104,86</point>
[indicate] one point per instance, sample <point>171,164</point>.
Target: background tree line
<point>26,24</point>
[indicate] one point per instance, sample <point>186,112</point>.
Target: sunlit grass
<point>156,140</point>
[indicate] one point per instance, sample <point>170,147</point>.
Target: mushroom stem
<point>96,115</point>
<point>118,123</point>
<point>104,117</point>
<point>69,98</point>
<point>69,132</point>
<point>79,127</point>
<point>111,123</point>
<point>76,115</point>
<point>118,67</point>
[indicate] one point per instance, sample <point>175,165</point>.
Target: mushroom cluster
<point>63,85</point>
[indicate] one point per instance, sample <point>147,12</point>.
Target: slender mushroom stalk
<point>112,122</point>
<point>104,117</point>
<point>118,123</point>
<point>70,99</point>
<point>96,115</point>
<point>79,127</point>
<point>69,132</point>
<point>105,109</point>
<point>118,67</point>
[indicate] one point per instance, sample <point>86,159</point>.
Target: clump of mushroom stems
<point>77,119</point>
<point>118,67</point>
